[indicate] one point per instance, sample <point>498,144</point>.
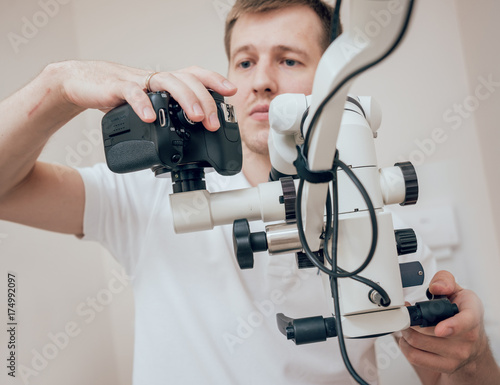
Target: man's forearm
<point>29,118</point>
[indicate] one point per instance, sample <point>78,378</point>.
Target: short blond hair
<point>242,7</point>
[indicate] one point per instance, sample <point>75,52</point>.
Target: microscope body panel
<point>354,242</point>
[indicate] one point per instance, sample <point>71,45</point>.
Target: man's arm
<point>52,197</point>
<point>456,351</point>
<point>33,193</point>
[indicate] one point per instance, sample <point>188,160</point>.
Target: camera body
<point>172,142</point>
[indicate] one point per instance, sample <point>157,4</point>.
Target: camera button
<point>162,118</point>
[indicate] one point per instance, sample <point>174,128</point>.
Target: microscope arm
<point>345,56</point>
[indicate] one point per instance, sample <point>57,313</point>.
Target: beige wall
<point>479,31</point>
<point>57,274</point>
<point>482,57</point>
<point>450,44</point>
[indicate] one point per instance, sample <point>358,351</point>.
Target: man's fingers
<point>199,79</point>
<point>189,88</point>
<point>426,359</point>
<point>469,317</point>
<point>104,85</point>
<point>139,101</point>
<point>180,91</point>
<point>212,80</point>
<point>427,331</point>
<point>422,341</point>
<point>443,283</point>
<point>211,120</point>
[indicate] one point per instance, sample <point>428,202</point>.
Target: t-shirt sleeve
<point>117,211</point>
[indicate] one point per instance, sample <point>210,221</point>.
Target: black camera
<point>172,143</point>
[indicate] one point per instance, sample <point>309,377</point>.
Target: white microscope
<point>327,140</point>
<point>326,197</point>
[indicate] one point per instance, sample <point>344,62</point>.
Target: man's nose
<point>265,79</point>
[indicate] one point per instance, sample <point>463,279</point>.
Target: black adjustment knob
<point>411,183</point>
<point>406,241</point>
<point>185,121</point>
<point>246,243</point>
<point>303,261</point>
<point>288,198</point>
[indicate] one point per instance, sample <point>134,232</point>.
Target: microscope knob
<point>411,183</point>
<point>245,243</point>
<point>303,261</point>
<point>288,198</point>
<point>406,241</point>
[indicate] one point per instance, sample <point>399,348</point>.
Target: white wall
<point>450,44</point>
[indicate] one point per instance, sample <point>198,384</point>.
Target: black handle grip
<point>430,313</point>
<point>306,330</point>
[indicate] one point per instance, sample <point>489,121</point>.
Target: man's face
<point>272,53</point>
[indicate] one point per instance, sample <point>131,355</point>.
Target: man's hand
<point>104,85</point>
<point>57,95</point>
<point>456,350</point>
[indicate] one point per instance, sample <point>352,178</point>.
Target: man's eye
<point>290,62</point>
<point>245,64</point>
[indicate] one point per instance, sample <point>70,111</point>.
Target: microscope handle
<point>430,313</point>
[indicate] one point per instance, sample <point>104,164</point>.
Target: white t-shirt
<point>199,319</point>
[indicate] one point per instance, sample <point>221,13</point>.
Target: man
<point>199,319</point>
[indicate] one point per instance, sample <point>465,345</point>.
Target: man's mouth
<point>260,112</point>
